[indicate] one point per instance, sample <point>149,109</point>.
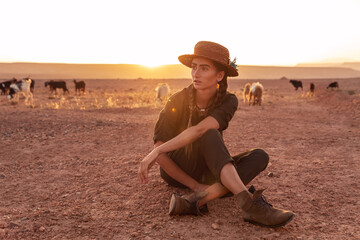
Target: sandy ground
<point>68,167</point>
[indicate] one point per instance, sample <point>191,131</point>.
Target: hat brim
<point>187,59</point>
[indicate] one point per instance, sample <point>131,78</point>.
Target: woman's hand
<point>146,164</point>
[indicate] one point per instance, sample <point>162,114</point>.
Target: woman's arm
<point>184,138</point>
<point>189,135</point>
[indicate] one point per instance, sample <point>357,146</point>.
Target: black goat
<point>5,86</point>
<point>333,85</point>
<point>296,84</point>
<point>53,85</point>
<point>312,89</point>
<point>79,86</point>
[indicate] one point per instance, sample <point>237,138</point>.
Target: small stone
<point>299,195</point>
<point>215,226</point>
<point>2,176</point>
<point>134,234</point>
<point>321,225</point>
<point>270,174</point>
<point>219,222</point>
<point>42,229</point>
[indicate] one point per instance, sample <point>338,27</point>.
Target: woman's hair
<point>220,94</point>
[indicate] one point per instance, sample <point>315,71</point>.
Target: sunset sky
<point>152,33</point>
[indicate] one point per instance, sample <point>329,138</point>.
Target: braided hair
<point>220,94</point>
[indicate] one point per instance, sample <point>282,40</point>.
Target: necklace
<point>202,109</point>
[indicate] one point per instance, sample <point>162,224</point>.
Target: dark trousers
<point>209,157</point>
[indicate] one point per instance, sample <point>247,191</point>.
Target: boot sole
<point>172,204</point>
<point>270,226</point>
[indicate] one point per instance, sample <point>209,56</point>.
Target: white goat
<point>162,91</point>
<point>246,93</point>
<point>256,92</point>
<point>22,87</point>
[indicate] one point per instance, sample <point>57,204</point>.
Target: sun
<point>152,64</point>
<point>154,60</point>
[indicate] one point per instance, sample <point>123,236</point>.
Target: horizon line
<point>138,64</point>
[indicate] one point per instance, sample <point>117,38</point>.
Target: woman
<point>190,149</point>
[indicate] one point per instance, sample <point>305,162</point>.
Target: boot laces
<point>262,201</point>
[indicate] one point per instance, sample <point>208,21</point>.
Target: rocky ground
<point>68,164</point>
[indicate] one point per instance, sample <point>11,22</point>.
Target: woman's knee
<point>169,180</point>
<point>261,156</point>
<point>209,136</point>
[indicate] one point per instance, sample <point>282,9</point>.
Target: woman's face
<point>204,74</point>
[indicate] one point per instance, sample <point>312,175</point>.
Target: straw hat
<point>214,52</point>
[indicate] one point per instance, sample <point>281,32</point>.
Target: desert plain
<point>69,163</point>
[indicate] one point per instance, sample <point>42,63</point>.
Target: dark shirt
<point>173,119</point>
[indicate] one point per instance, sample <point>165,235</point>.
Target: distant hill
<point>89,71</point>
<point>132,71</point>
<point>353,65</point>
<point>274,72</point>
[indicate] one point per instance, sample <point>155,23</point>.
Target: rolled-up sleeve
<point>165,127</point>
<point>224,113</point>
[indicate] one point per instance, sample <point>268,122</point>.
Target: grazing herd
<point>13,88</point>
<point>252,93</point>
<point>298,84</point>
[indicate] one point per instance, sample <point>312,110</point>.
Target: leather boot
<point>188,204</point>
<point>258,211</point>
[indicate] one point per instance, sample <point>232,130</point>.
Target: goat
<point>23,87</point>
<point>312,89</point>
<point>296,84</point>
<point>32,84</point>
<point>79,86</point>
<point>5,86</point>
<point>256,92</point>
<point>333,85</point>
<point>246,92</point>
<point>162,91</point>
<point>53,85</point>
